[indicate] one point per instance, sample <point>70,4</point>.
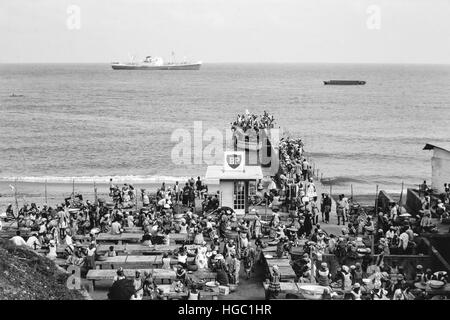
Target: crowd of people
<point>359,270</point>
<point>365,233</point>
<point>434,206</point>
<point>249,121</point>
<point>377,281</point>
<point>124,197</point>
<point>292,162</point>
<point>237,243</point>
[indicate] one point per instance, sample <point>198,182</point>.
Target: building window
<point>239,195</point>
<point>252,188</point>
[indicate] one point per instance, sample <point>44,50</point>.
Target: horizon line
<point>240,62</point>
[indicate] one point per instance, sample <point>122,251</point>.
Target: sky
<point>331,31</point>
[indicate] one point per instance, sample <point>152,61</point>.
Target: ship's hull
<point>344,82</point>
<point>187,66</point>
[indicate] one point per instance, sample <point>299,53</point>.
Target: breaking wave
<point>96,179</point>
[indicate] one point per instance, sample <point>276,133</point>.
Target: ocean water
<point>90,122</point>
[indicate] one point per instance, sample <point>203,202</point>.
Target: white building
<point>440,165</point>
<point>235,180</point>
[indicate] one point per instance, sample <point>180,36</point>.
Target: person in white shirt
<point>91,255</point>
<point>130,220</point>
<point>399,293</point>
<point>18,240</point>
<point>182,257</point>
<point>404,239</point>
<point>346,207</point>
<point>120,275</point>
<point>393,211</point>
<point>33,242</point>
<point>52,250</point>
<point>390,234</point>
<point>68,240</point>
<point>162,202</point>
<point>116,227</point>
<point>311,190</point>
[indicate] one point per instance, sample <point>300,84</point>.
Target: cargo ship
<point>156,63</point>
<point>344,82</point>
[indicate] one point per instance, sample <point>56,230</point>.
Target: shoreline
<point>29,192</point>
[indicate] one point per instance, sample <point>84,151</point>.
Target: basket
<point>211,284</point>
<point>233,287</point>
<point>439,297</point>
<point>338,295</point>
<point>224,290</point>
<point>312,292</point>
<point>192,267</point>
<point>436,284</point>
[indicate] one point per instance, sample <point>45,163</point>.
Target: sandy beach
<point>34,192</point>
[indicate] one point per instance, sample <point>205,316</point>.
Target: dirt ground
<point>25,275</point>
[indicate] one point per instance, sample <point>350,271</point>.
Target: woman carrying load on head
<point>249,258</point>
<point>274,286</point>
<point>222,270</point>
<point>257,226</point>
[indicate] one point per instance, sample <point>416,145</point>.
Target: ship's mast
<point>131,57</point>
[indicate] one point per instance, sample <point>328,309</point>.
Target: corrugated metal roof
<point>218,173</point>
<point>440,145</point>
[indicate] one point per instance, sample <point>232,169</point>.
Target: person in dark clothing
<point>198,186</point>
<point>327,207</point>
<point>181,273</point>
<point>186,194</point>
<point>308,223</point>
<point>222,273</point>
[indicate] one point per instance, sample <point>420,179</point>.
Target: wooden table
<point>169,294</point>
<point>174,237</point>
<point>7,234</point>
<point>286,287</point>
<point>269,249</point>
<point>119,238</point>
<point>133,236</point>
<point>137,261</point>
<point>136,249</point>
<point>279,262</point>
<point>158,274</point>
<point>121,249</point>
<point>202,275</point>
<point>112,262</point>
<point>127,261</point>
<point>133,230</point>
<point>284,267</point>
